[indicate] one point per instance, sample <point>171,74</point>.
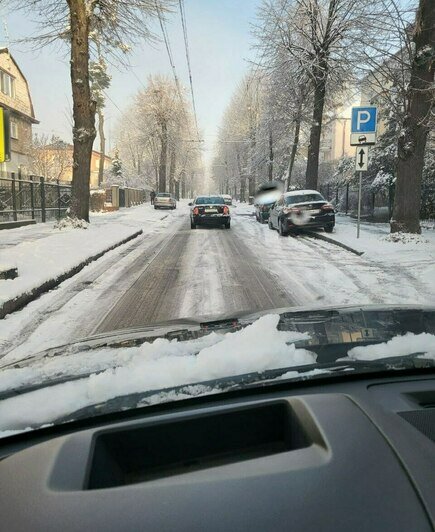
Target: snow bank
<point>151,366</point>
<point>398,346</point>
<point>405,238</point>
<point>43,253</point>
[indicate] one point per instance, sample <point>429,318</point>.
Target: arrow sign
<point>362,159</point>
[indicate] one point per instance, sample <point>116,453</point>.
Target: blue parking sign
<point>364,119</point>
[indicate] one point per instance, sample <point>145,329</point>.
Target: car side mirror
<point>190,204</point>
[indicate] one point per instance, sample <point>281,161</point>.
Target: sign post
<point>363,134</point>
<point>361,165</point>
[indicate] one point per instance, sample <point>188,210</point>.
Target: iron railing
<point>32,198</point>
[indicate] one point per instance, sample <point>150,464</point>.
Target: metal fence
<point>32,198</point>
<point>375,205</point>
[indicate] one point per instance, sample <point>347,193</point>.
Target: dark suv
<point>301,209</point>
<point>262,211</point>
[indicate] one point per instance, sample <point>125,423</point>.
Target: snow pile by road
<point>398,346</point>
<point>42,252</point>
<point>151,366</point>
<point>405,238</point>
<point>71,223</point>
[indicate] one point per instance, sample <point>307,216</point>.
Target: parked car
<point>262,211</point>
<point>301,209</point>
<point>209,210</point>
<point>164,200</point>
<point>227,199</point>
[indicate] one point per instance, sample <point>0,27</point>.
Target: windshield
<point>209,200</point>
<point>227,109</point>
<point>302,198</point>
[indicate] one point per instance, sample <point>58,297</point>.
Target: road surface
<point>175,272</point>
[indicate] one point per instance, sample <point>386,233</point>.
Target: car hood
<point>328,328</point>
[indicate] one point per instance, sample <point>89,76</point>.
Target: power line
<point>169,51</point>
<point>186,46</point>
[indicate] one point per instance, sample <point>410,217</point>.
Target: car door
<point>275,213</point>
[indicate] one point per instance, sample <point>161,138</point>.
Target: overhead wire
<point>189,68</point>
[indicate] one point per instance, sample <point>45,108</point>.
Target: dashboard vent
<point>422,420</point>
<point>158,450</point>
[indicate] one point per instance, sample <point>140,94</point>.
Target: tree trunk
<point>312,171</point>
<point>102,146</point>
<point>242,179</point>
<point>411,145</point>
<point>270,155</point>
<point>163,158</point>
<point>172,171</point>
<point>83,109</point>
<point>294,150</point>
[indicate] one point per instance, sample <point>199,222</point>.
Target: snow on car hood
<point>150,366</point>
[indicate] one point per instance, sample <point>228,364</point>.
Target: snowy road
<point>174,272</point>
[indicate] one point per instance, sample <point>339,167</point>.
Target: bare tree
<point>115,25</point>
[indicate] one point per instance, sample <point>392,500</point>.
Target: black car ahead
<point>301,209</point>
<point>262,211</point>
<point>209,210</point>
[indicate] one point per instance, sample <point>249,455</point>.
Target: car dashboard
<point>347,454</point>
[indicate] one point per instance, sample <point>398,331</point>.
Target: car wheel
<point>155,207</point>
<point>270,224</point>
<point>329,228</point>
<point>192,225</point>
<point>228,225</point>
<point>281,229</point>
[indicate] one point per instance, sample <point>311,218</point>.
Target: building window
<point>7,84</point>
<point>14,130</point>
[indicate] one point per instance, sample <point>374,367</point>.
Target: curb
<point>12,305</point>
<point>334,242</point>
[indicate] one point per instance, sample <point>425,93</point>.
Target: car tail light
<point>226,210</point>
<point>327,207</point>
<point>195,211</point>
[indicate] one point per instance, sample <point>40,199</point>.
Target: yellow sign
<point>5,135</point>
<point>2,137</point>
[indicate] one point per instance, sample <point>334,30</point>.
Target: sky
<point>220,49</point>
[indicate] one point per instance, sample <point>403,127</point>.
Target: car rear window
<point>163,195</point>
<point>209,200</point>
<point>302,198</point>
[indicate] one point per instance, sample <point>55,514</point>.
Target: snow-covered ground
<point>41,252</point>
<point>387,272</point>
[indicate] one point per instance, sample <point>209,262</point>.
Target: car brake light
<point>195,211</point>
<point>226,210</point>
<point>327,207</point>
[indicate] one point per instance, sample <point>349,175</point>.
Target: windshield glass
<point>210,200</point>
<point>227,109</point>
<point>302,198</point>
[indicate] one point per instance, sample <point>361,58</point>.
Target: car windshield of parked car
<point>210,200</point>
<point>163,165</point>
<point>302,198</point>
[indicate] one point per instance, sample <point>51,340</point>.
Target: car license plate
<point>210,210</point>
<point>313,211</point>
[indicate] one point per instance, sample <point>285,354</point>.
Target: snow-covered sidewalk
<point>42,252</point>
